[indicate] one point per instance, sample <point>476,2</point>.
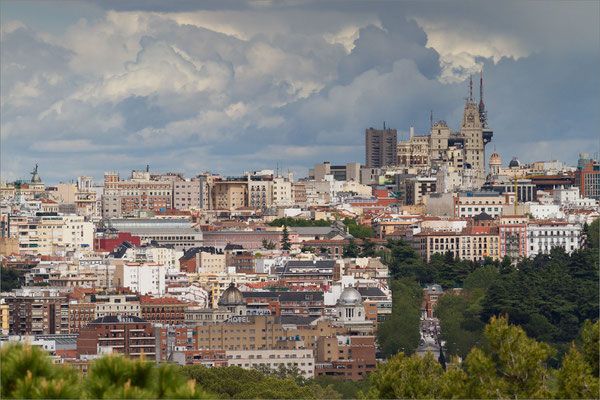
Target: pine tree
<point>285,240</point>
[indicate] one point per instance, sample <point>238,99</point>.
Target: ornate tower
<point>471,130</point>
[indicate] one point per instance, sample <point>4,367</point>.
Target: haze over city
<point>235,86</point>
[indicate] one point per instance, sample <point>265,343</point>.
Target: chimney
<point>412,132</point>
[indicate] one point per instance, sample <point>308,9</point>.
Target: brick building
<point>128,335</point>
<point>348,357</point>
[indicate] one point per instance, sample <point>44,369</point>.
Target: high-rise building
<point>587,176</point>
<point>381,147</point>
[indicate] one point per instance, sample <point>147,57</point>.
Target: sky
<point>227,87</point>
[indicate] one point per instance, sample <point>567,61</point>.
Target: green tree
<point>117,377</point>
<point>460,323</point>
<point>351,250</point>
<point>415,377</point>
<point>512,366</point>
<point>238,383</point>
<point>9,279</point>
<point>575,378</point>
<point>367,248</point>
<point>28,373</point>
<point>593,234</point>
<point>285,239</point>
<point>346,389</point>
<point>591,345</point>
<point>358,231</point>
<point>400,331</point>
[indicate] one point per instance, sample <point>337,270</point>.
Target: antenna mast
<point>471,88</point>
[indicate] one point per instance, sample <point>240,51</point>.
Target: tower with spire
<point>475,134</point>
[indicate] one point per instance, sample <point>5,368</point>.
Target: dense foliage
<point>28,373</point>
<point>400,332</point>
<point>511,365</point>
<point>550,296</point>
<point>239,383</point>
<point>293,222</point>
<point>9,279</point>
<point>358,231</point>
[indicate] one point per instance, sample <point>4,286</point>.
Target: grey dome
<point>514,162</point>
<point>231,297</point>
<point>350,296</point>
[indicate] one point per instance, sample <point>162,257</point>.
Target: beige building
<point>5,317</point>
<point>282,191</point>
<point>472,203</point>
<point>479,242</point>
<point>117,305</point>
<point>47,235</point>
<point>414,153</point>
<point>229,195</point>
<point>208,263</point>
<point>303,359</point>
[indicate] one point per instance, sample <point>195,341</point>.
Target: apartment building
<point>542,236</point>
<point>163,310</point>
<point>480,242</point>
<point>129,335</point>
<point>587,176</point>
<point>471,203</point>
<point>49,234</point>
<point>139,192</point>
<point>141,278</point>
<point>348,357</point>
<point>430,243</point>
<point>302,359</point>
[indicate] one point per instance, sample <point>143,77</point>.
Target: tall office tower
<point>381,147</point>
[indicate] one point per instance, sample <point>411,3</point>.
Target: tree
<point>416,377</point>
<point>238,383</point>
<point>593,234</point>
<point>27,373</point>
<point>118,377</point>
<point>351,250</point>
<point>307,249</point>
<point>9,279</point>
<point>513,365</point>
<point>368,248</point>
<point>460,323</point>
<point>575,378</point>
<point>400,331</point>
<point>285,240</point>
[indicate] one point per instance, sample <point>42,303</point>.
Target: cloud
<point>229,86</point>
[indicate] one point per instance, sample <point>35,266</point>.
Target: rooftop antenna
<point>471,88</point>
<point>431,119</point>
<point>147,167</point>
<point>481,88</point>
<point>384,125</point>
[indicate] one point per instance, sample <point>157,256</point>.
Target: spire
<point>481,91</point>
<point>471,88</point>
<point>482,112</point>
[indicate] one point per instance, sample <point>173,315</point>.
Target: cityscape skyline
<point>229,87</point>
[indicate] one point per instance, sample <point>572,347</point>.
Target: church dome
<point>231,297</point>
<point>514,163</point>
<point>495,158</point>
<point>350,296</point>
